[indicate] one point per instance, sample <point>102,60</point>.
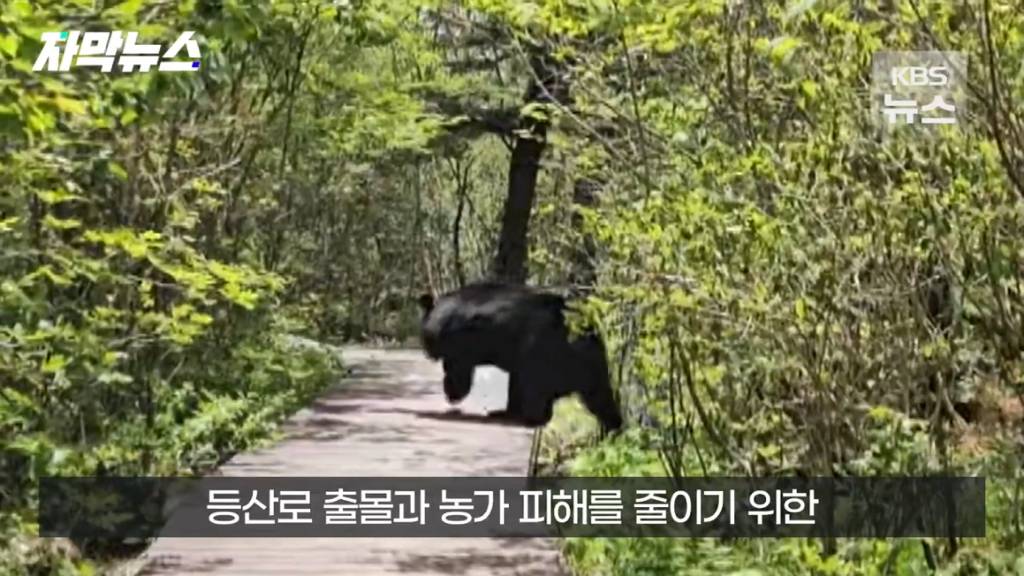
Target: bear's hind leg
<point>601,403</point>
<point>538,392</point>
<point>538,411</point>
<point>594,382</point>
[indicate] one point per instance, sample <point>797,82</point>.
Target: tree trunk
<point>461,191</point>
<point>583,274</point>
<point>510,263</point>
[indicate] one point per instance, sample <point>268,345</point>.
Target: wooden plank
<point>388,418</point>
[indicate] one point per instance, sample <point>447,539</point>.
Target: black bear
<point>523,332</point>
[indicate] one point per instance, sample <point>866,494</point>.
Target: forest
<point>783,288</point>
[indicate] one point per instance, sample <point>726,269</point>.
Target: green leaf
<point>114,377</point>
<point>809,89</point>
<point>245,298</point>
<point>69,105</point>
<point>111,357</point>
<point>782,48</point>
<point>7,224</point>
<point>535,110</point>
<point>56,196</point>
<point>40,121</point>
<point>54,223</point>
<point>118,171</point>
<point>20,9</point>
<point>55,363</point>
<point>47,271</point>
<point>666,45</point>
<point>128,9</point>
<point>200,319</point>
<point>9,44</point>
<point>13,400</point>
<point>881,412</point>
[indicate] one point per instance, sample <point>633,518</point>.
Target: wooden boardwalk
<point>388,418</point>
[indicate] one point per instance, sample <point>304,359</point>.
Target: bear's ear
<point>426,303</point>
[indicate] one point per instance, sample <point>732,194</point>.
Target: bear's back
<point>497,309</point>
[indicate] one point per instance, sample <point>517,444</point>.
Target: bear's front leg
<point>458,380</point>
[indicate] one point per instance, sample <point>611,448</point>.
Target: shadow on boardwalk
<point>388,418</point>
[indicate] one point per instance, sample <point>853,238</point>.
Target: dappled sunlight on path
<point>387,418</point>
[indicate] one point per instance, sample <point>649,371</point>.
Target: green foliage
<point>165,236</point>
<point>137,334</point>
<point>782,288</point>
<point>630,455</point>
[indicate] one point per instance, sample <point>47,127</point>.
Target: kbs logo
<point>102,50</point>
<point>918,88</point>
<point>920,76</point>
